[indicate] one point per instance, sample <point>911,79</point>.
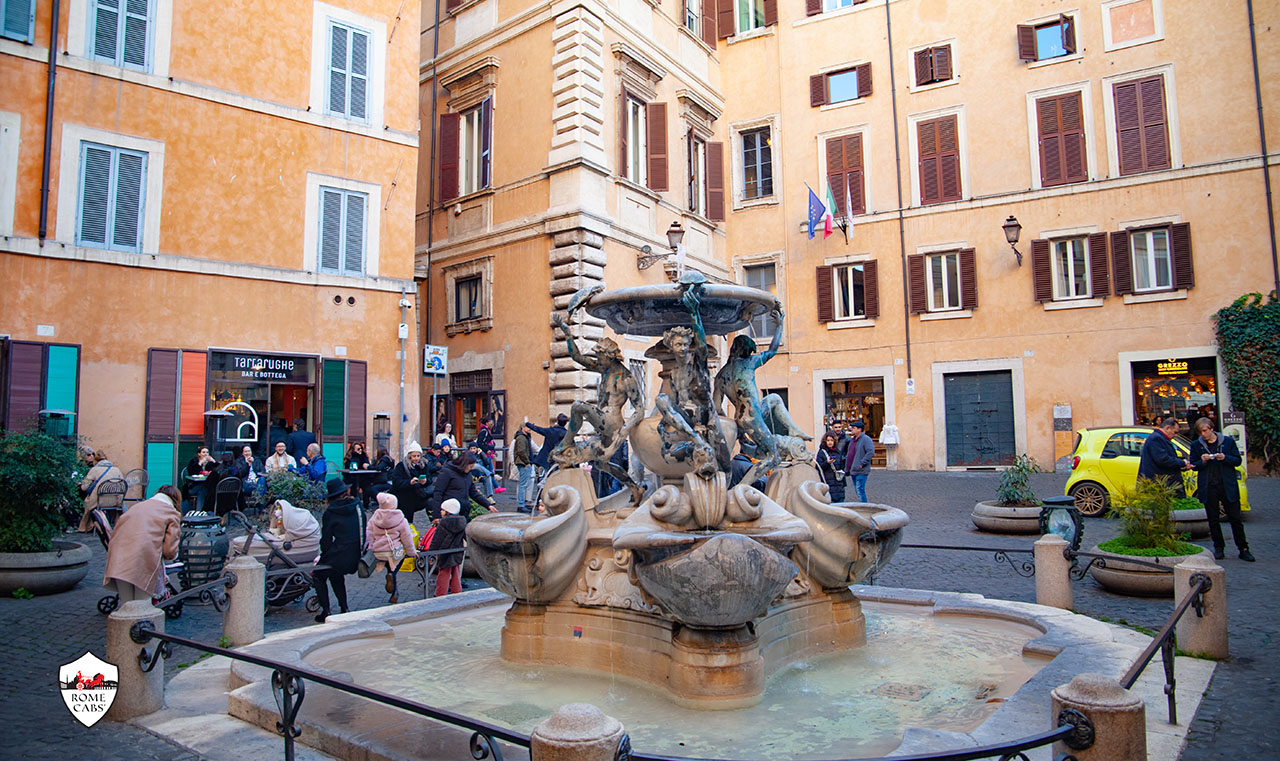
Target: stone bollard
<point>1053,573</point>
<point>242,621</point>
<point>576,732</point>
<point>1205,635</point>
<point>1119,718</point>
<point>138,693</point>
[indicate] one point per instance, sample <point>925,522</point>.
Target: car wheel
<point>1091,499</point>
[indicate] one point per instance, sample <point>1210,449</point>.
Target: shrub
<point>1015,483</point>
<point>1146,515</point>
<point>295,488</point>
<point>1249,342</point>
<point>39,490</point>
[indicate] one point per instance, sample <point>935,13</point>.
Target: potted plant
<point>294,488</point>
<point>1148,532</point>
<point>1016,509</point>
<point>39,499</point>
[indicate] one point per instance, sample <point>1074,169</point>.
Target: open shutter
<point>622,133</point>
<point>949,159</point>
<point>1184,275</point>
<point>968,279</point>
<point>486,140</point>
<point>708,28</point>
<point>162,396</point>
<point>715,182</point>
<point>826,298</point>
<point>656,129</point>
<point>927,143</point>
<point>853,176</point>
<point>333,404</point>
<point>191,397</point>
<point>1073,148</point>
<point>1121,264</point>
<point>724,17</point>
<point>1155,134</point>
<point>818,90</point>
<point>1099,282</point>
<point>1128,127</point>
<point>1041,271</point>
<point>871,289</point>
<point>770,12</point>
<point>942,63</point>
<point>449,153</point>
<point>357,382</point>
<point>917,289</point>
<point>1068,33</point>
<point>25,376</point>
<point>924,67</point>
<point>812,7</point>
<point>1027,43</point>
<point>864,80</point>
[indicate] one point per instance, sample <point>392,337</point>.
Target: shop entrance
<point>264,394</point>
<point>1186,388</point>
<point>858,399</point>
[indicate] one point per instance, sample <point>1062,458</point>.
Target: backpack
<point>425,543</point>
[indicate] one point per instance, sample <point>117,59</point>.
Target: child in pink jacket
<point>387,534</point>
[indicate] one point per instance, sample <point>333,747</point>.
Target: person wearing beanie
<point>454,482</point>
<point>411,482</point>
<point>389,537</point>
<point>451,530</point>
<point>341,536</point>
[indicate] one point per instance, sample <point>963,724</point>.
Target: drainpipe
<point>431,202</point>
<point>897,158</point>
<point>1262,136</point>
<point>404,307</point>
<point>48,124</point>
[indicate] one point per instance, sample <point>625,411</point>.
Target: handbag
<point>367,562</point>
<point>397,550</point>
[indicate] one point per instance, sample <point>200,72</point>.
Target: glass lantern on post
<point>215,434</point>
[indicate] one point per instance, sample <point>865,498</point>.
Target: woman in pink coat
<point>145,535</point>
<point>386,533</point>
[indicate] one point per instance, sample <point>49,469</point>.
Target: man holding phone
<point>1215,458</point>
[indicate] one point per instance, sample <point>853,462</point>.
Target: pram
<point>288,571</point>
<point>108,603</point>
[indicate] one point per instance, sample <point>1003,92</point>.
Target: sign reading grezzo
<point>241,366</point>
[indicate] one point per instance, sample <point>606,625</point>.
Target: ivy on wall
<point>1249,344</point>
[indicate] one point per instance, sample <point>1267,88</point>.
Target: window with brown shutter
<point>770,12</point>
<point>845,174</point>
<point>871,289</point>
<point>1121,264</point>
<point>709,22</point>
<point>724,18</point>
<point>25,379</point>
<point>1184,275</point>
<point>939,150</point>
<point>968,279</point>
<point>826,306</point>
<point>933,65</point>
<point>715,182</point>
<point>449,152</point>
<point>1060,124</point>
<point>1142,134</point>
<point>1100,283</point>
<point>656,124</point>
<point>1041,271</point>
<point>818,90</point>
<point>162,395</point>
<point>1152,259</point>
<point>840,86</point>
<point>812,7</point>
<point>1052,39</point>
<point>917,288</point>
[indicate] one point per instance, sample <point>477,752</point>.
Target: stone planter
<point>989,516</point>
<point>1193,522</point>
<point>44,573</point>
<point>1136,580</point>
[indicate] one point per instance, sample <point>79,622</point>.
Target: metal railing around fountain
<point>1024,568</point>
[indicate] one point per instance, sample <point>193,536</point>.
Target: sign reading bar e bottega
<point>254,366</point>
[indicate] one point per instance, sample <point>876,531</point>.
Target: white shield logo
<point>88,685</point>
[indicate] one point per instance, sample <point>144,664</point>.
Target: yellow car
<point>1106,459</point>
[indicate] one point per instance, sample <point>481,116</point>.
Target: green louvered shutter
<point>334,406</point>
<point>62,379</point>
<point>19,19</point>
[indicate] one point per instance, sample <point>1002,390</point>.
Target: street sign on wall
<point>435,360</point>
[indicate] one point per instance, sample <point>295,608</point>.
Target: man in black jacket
<point>1215,458</point>
<point>341,537</point>
<point>1160,460</point>
<point>551,438</point>
<point>299,440</point>
<point>455,482</point>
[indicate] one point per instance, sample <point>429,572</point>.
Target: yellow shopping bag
<point>408,564</point>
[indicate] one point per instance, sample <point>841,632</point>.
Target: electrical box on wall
<point>403,331</point>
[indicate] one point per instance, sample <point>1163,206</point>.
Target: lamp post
<point>1012,229</point>
<point>645,259</point>
<point>1060,516</point>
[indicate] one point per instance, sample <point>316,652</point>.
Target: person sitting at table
<point>356,459</point>
<point>281,460</point>
<point>249,469</point>
<point>313,466</point>
<point>101,470</point>
<point>200,466</point>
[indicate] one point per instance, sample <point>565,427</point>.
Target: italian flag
<point>828,220</point>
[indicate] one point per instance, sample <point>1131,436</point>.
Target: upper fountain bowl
<point>650,310</point>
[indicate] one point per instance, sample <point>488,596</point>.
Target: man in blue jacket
<point>1215,458</point>
<point>1160,460</point>
<point>551,438</point>
<point>858,462</point>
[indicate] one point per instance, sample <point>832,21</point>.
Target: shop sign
<point>260,368</point>
<point>1172,367</point>
<point>1232,417</point>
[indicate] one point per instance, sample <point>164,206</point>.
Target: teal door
<point>979,419</point>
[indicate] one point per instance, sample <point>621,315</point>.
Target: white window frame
<point>159,34</point>
<point>913,150</point>
<point>858,129</point>
<point>737,182</point>
<point>471,134</point>
<point>779,262</point>
<point>737,15</point>
<point>1150,264</point>
<point>29,35</point>
<point>693,16</point>
<point>742,158</point>
<point>636,169</point>
<point>10,139</point>
<point>946,291</point>
<point>1055,269</point>
<point>364,234</point>
<point>350,30</point>
<point>772,264</point>
<point>1086,113</point>
<point>913,85</point>
<point>69,171</point>
<point>1157,14</point>
<point>1170,116</point>
<point>835,299</point>
<point>1074,15</point>
<point>118,61</point>
<point>312,215</point>
<point>696,159</point>
<point>375,94</point>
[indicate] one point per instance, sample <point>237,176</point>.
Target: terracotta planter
<point>1137,580</point>
<point>989,516</point>
<point>44,573</point>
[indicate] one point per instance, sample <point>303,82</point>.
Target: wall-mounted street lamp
<point>1012,229</point>
<point>646,258</point>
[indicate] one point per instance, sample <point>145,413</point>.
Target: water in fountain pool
<point>916,670</point>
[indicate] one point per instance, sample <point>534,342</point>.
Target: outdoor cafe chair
<point>110,495</point>
<point>137,480</point>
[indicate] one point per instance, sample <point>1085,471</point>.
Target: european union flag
<point>816,212</point>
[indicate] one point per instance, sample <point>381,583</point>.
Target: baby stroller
<point>289,568</point>
<point>108,603</point>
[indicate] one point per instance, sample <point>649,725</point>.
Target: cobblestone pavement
<point>41,633</point>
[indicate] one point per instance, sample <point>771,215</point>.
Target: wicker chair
<point>137,479</point>
<point>110,495</point>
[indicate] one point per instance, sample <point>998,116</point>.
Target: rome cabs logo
<point>88,685</point>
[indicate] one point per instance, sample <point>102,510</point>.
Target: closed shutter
<point>357,383</point>
<point>927,145</point>
<point>191,400</point>
<point>715,182</point>
<point>1041,271</point>
<point>709,22</point>
<point>333,403</point>
<point>845,174</point>
<point>941,63</point>
<point>1027,43</point>
<point>924,67</point>
<point>818,90</point>
<point>25,374</point>
<point>338,43</point>
<point>968,279</point>
<point>864,79</point>
<point>19,19</point>
<point>949,159</point>
<point>812,7</point>
<point>826,296</point>
<point>486,141</point>
<point>136,18</point>
<point>330,230</point>
<point>353,234</point>
<point>450,5</point>
<point>106,29</point>
<point>358,74</point>
<point>1141,130</point>
<point>770,12</point>
<point>724,17</point>
<point>162,395</point>
<point>622,134</point>
<point>917,289</point>
<point>1184,275</point>
<point>95,195</point>
<point>449,153</point>
<point>1121,263</point>
<point>656,132</point>
<point>871,289</point>
<point>126,223</point>
<point>1099,282</point>
<point>1061,128</point>
<point>62,379</point>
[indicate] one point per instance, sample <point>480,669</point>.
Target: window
<point>850,294</point>
<point>634,141</point>
<point>1052,39</point>
<point>1124,445</point>
<point>111,197</point>
<point>1152,269</point>
<point>751,14</point>
<point>845,174</point>
<point>342,231</point>
<point>835,5</point>
<point>1152,259</point>
<point>939,148</point>
<point>1060,125</point>
<point>1071,267</point>
<point>465,146</point>
<point>757,164</point>
<point>467,304</point>
<point>120,32</point>
<point>19,19</point>
<point>1142,130</point>
<point>840,86</point>
<point>348,72</point>
<point>643,143</point>
<point>933,65</point>
<point>942,282</point>
<point>693,14</point>
<point>696,149</point>
<point>764,277</point>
